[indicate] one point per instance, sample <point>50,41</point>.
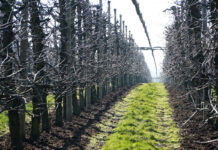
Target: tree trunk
<point>24,49</point>
<point>64,107</point>
<point>81,98</point>
<point>38,36</point>
<point>76,107</point>
<point>35,129</point>
<point>88,97</point>
<point>58,106</point>
<point>69,108</point>
<point>100,92</point>
<point>81,53</point>
<point>45,119</point>
<point>14,126</point>
<point>113,84</point>
<point>63,56</point>
<point>93,95</point>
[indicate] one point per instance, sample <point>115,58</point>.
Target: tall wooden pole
<point>75,101</point>
<point>24,47</point>
<point>88,30</point>
<point>81,53</point>
<point>120,78</point>
<point>121,24</point>
<point>59,97</point>
<point>127,53</point>
<point>69,108</point>
<point>100,22</point>
<point>109,51</point>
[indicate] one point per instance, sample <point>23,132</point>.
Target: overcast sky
<point>156,21</point>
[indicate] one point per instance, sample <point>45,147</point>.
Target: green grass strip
<point>146,123</point>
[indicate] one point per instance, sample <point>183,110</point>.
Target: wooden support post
<point>109,50</point>
<point>88,97</point>
<point>69,107</point>
<point>115,47</point>
<point>100,94</point>
<point>121,24</point>
<point>69,98</point>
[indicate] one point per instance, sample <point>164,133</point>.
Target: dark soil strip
<point>195,129</point>
<point>73,135</point>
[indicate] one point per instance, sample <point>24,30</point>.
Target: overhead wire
<point>136,4</point>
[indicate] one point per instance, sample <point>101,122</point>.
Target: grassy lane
<point>146,122</point>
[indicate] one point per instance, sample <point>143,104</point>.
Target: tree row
<point>66,48</point>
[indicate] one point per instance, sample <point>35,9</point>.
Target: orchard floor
<point>140,119</point>
<point>145,122</point>
<point>73,135</point>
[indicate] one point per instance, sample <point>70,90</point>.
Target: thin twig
<point>205,142</point>
<point>189,118</point>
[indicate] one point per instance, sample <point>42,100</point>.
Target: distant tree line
<point>69,48</point>
<point>191,60</point>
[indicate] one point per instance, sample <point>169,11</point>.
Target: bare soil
<point>194,131</point>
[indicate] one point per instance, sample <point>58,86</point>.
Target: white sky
<point>156,21</point>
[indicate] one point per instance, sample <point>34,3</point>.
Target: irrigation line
<point>136,4</point>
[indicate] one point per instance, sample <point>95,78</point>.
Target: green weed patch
<point>4,123</point>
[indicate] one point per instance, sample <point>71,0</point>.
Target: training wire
<point>136,4</point>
